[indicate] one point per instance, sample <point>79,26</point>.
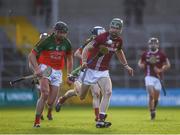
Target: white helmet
<point>97,30</point>
<point>153,44</point>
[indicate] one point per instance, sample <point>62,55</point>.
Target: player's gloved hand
<point>70,80</point>
<point>130,70</point>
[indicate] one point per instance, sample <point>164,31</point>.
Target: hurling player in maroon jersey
<point>154,62</point>
<point>95,90</point>
<point>97,71</point>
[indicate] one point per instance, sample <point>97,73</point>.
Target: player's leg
<point>95,90</point>
<point>83,91</point>
<point>53,93</point>
<point>36,81</point>
<point>150,90</point>
<point>87,78</point>
<point>151,93</point>
<point>156,98</point>
<point>157,89</point>
<point>106,90</point>
<point>150,83</point>
<point>70,93</point>
<point>39,95</point>
<point>44,87</point>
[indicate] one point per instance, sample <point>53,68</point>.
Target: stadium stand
<point>157,22</point>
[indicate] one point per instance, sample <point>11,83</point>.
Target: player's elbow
<point>169,65</point>
<point>31,55</point>
<point>78,55</point>
<point>140,65</point>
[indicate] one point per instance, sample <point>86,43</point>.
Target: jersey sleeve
<point>69,48</point>
<point>80,50</point>
<point>39,47</point>
<point>143,57</point>
<point>88,40</point>
<point>120,45</point>
<point>99,40</point>
<point>163,57</point>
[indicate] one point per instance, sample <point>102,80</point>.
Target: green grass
<point>80,120</point>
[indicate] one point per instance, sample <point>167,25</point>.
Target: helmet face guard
<point>153,44</point>
<point>116,27</point>
<point>61,26</point>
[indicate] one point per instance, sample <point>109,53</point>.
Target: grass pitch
<point>80,120</point>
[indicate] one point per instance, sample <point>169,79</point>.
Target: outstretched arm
<point>141,64</point>
<point>166,65</point>
<point>69,63</point>
<point>121,57</point>
<point>78,53</point>
<point>34,64</point>
<point>69,68</point>
<point>85,53</point>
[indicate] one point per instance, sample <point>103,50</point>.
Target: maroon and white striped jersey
<point>102,63</point>
<point>158,58</point>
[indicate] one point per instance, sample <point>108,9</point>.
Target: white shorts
<point>90,76</point>
<point>153,81</point>
<point>56,76</point>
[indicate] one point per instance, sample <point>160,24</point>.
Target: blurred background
<point>22,21</point>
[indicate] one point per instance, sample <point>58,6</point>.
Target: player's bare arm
<point>69,67</point>
<point>69,63</point>
<point>141,64</point>
<point>34,64</point>
<point>78,54</point>
<point>88,47</point>
<point>122,58</point>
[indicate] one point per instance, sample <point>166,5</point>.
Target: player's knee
<point>77,91</point>
<point>151,97</point>
<point>96,95</point>
<point>50,105</point>
<point>44,95</point>
<point>108,93</point>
